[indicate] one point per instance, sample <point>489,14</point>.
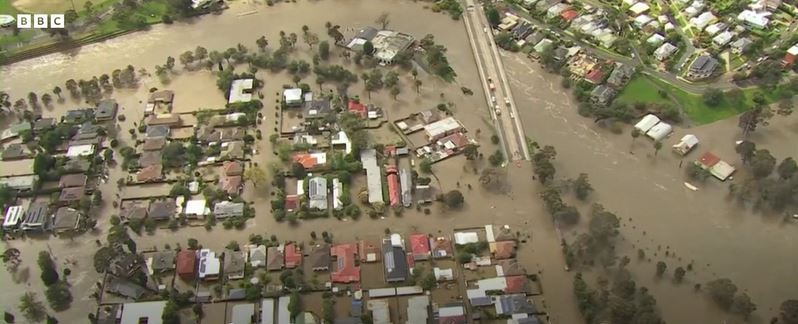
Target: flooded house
<point>395,259</point>
<point>234,264</point>
<point>65,219</point>
<point>319,257</point>
<point>225,209</point>
<point>317,193</point>
<point>241,91</point>
<point>161,262</point>
<point>106,110</point>
<point>186,264</point>
<point>275,260</point>
<point>162,209</point>
<point>373,175</point>
<point>420,247</point>
<point>345,269</point>
<point>209,265</point>
<point>293,256</point>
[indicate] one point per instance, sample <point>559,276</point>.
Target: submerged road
<point>499,98</point>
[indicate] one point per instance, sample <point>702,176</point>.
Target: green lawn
<point>7,8</point>
<point>641,89</point>
<point>23,37</point>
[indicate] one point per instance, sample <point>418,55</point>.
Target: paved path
<point>491,70</point>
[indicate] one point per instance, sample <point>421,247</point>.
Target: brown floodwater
<point>698,226</point>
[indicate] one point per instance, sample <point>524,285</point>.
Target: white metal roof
<point>659,131</point>
<point>461,238</point>
<point>647,122</point>
<point>238,91</point>
<point>722,170</point>
<point>292,95</point>
<point>80,150</point>
<point>196,207</point>
<point>13,216</point>
<point>442,127</point>
<point>267,311</point>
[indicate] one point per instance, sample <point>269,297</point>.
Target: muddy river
<point>724,240</point>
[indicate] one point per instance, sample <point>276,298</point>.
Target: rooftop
<point>419,245</point>
<point>65,219</point>
<point>293,256</point>
<point>72,180</point>
<point>241,90</point>
<point>319,257</point>
<point>344,269</point>
<point>133,313</point>
<point>150,173</point>
<point>274,258</point>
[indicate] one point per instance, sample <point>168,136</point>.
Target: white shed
<point>646,123</point>
<point>659,131</point>
<point>687,143</point>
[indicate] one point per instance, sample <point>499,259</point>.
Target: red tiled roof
<point>594,76</point>
<point>504,250</point>
<point>367,247</point>
<point>357,108</point>
<point>231,185</point>
<point>307,160</point>
<point>393,185</point>
<point>186,263</point>
<point>516,284</point>
<point>293,257</point>
<point>442,248</point>
<point>150,173</point>
<point>708,160</point>
<point>419,245</point>
<point>72,180</point>
<point>344,268</point>
<point>458,139</point>
<point>232,168</point>
<point>291,202</point>
<point>569,15</point>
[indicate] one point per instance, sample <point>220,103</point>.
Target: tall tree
<point>494,18</point>
<point>751,119</point>
<point>383,20</point>
<point>722,291</point>
<point>200,53</point>
<point>787,168</point>
<point>324,50</point>
<point>789,311</point>
<point>582,186</point>
<point>743,305</point>
<point>762,164</point>
<point>746,149</point>
<point>57,92</point>
<point>32,309</point>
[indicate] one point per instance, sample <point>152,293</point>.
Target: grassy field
<point>8,9</point>
<point>44,6</point>
<point>641,89</point>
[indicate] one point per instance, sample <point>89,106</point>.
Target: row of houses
<point>39,217</point>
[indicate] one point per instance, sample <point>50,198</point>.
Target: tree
<point>193,244</point>
<point>746,149</point>
<point>311,39</point>
<point>470,151</point>
<point>661,267</point>
<point>294,304</point>
<point>678,274</point>
<point>47,266</point>
<point>712,96</point>
<point>582,186</point>
<point>425,166</point>
<point>418,85</point>
<point>187,58</point>
<point>58,296</point>
<point>262,43</point>
<point>722,292</point>
<point>789,311</point>
<point>328,310</point>
<point>544,170</point>
<point>787,168</point>
<point>567,215</point>
<point>174,155</point>
<point>395,91</point>
<point>391,79</point>
<point>494,18</point>
<point>635,134</point>
<point>170,63</point>
<point>368,48</point>
<point>256,175</point>
<point>57,91</point>
<point>33,99</point>
<point>324,50</point>
<point>743,305</point>
<point>694,171</point>
<point>200,53</point>
<point>8,317</point>
<point>454,199</point>
<point>298,170</point>
<point>32,309</point>
<point>762,164</point>
<point>383,20</point>
<point>47,99</point>
<point>657,147</point>
<point>170,313</point>
<point>754,117</point>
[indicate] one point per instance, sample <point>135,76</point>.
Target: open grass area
<point>22,37</point>
<point>47,6</point>
<point>641,89</point>
<point>7,8</point>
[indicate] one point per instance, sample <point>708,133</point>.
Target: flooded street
<point>756,252</point>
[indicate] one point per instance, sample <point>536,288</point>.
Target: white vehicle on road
<point>498,111</point>
<point>507,102</point>
<point>493,99</point>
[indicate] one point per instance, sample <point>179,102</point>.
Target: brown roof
<point>274,259</point>
<point>233,133</point>
<point>166,96</point>
<point>510,267</point>
<point>165,119</point>
<point>441,247</point>
<point>133,211</point>
<point>503,249</point>
<point>231,185</point>
<point>150,158</point>
<point>319,258</point>
<point>71,194</point>
<point>154,144</point>
<point>367,247</point>
<point>186,263</point>
<point>163,209</point>
<point>65,219</point>
<point>72,180</point>
<point>232,168</point>
<point>150,173</point>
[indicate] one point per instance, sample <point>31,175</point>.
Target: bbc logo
<point>25,21</point>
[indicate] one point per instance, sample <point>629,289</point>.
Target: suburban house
<point>275,260</point>
<point>292,97</point>
<point>72,180</point>
<point>393,185</point>
<point>387,43</point>
<point>157,131</point>
<point>368,251</point>
<point>317,193</point>
<point>186,264</point>
<point>161,262</point>
<point>161,99</point>
<point>702,67</point>
<point>310,160</point>
<point>196,208</point>
<point>754,19</point>
<point>132,210</point>
<point>790,57</point>
<point>315,109</point>
<point>234,263</point>
<point>78,116</point>
<point>153,144</point>
<point>665,51</point>
<point>257,255</point>
<point>424,194</point>
<point>345,269</point>
<point>319,257</point>
<point>168,120</point>
<point>162,209</point>
<point>14,215</point>
<point>419,246</point>
<point>209,265</point>
<point>71,195</point>
<point>231,185</point>
<point>226,209</point>
<point>293,256</point>
<point>16,151</point>
<point>503,249</point>
<point>395,259</point>
<point>406,180</point>
<point>43,124</point>
<point>373,175</point>
<point>741,45</point>
<point>443,127</point>
<point>106,110</point>
<point>144,312</point>
<point>151,173</point>
<point>602,95</point>
<point>65,219</point>
<point>241,91</point>
<point>620,75</point>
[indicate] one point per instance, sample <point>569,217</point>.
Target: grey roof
<point>620,74</point>
<point>233,263</point>
<point>65,219</point>
<point>79,115</point>
<point>319,258</point>
<point>418,309</point>
<point>162,210</point>
<point>72,194</point>
<point>157,131</point>
<point>86,131</point>
<point>133,211</point>
<point>317,192</point>
<point>514,304</point>
<point>227,209</point>
<point>106,109</point>
<point>36,216</point>
<point>150,158</point>
<point>367,33</point>
<point>373,175</point>
<point>424,194</point>
<point>124,288</point>
<point>20,182</point>
<point>133,313</point>
<point>14,151</point>
<point>316,109</point>
<point>395,260</point>
<point>406,181</point>
<point>242,314</point>
<point>237,293</point>
<point>43,123</point>
<point>77,165</point>
<point>164,260</point>
<point>741,44</point>
<point>602,94</point>
<point>703,64</point>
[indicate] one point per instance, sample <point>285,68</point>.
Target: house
<point>319,257</point>
<point>395,259</point>
<point>702,67</point>
<point>686,144</point>
<point>602,95</point>
<point>232,185</point>
<point>257,255</point>
<point>443,127</point>
<point>639,8</point>
<point>157,131</point>
<point>620,75</point>
<point>317,193</point>
<point>453,313</point>
<point>441,247</point>
<point>642,20</point>
<point>543,45</point>
<point>357,108</point>
<point>232,168</point>
<point>78,116</point>
<point>186,264</point>
<point>443,274</point>
<point>568,16</point>
<point>753,19</point>
<point>665,51</point>
<point>267,311</point>
<point>292,97</point>
<point>80,150</point>
<point>388,44</point>
<point>14,215</point>
<point>15,151</point>
<point>503,249</point>
<point>106,110</point>
<point>70,195</point>
<point>417,309</point>
<point>274,258</point>
<point>232,150</point>
<point>723,38</point>
<point>65,219</point>
<point>293,256</point>
<point>659,131</point>
<point>154,143</point>
<point>77,165</point>
<point>646,123</point>
<point>291,203</point>
<point>20,183</point>
<point>368,251</point>
<point>124,288</point>
<point>337,190</point>
<point>419,246</point>
<point>226,209</point>
<point>241,91</point>
<point>509,267</point>
<point>715,28</point>
<point>393,185</point>
<point>242,314</point>
<point>209,265</point>
<point>168,120</point>
<point>310,160</point>
<point>373,175</point>
<point>151,173</point>
<point>703,20</point>
<point>406,180</point>
<point>144,312</point>
<point>234,263</point>
<point>161,262</point>
<point>126,265</point>
<point>790,57</point>
<point>341,139</point>
<point>162,209</point>
<point>655,39</point>
<point>380,311</point>
<point>424,194</point>
<point>162,97</point>
<point>717,167</point>
<point>315,109</point>
<point>595,76</point>
<point>43,124</point>
<point>741,45</point>
<point>132,210</point>
<point>556,10</point>
<point>345,269</point>
<point>508,305</point>
<point>196,208</point>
